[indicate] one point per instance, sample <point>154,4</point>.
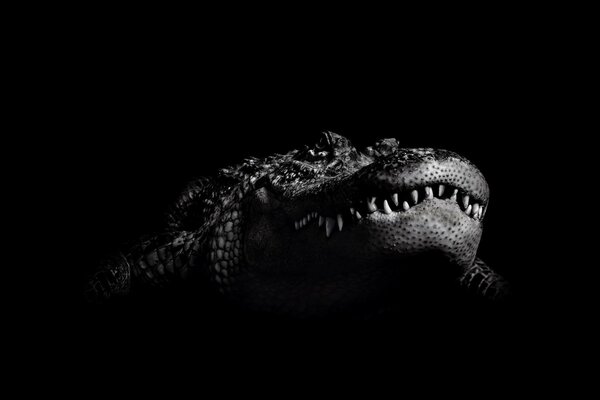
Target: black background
<point>137,113</point>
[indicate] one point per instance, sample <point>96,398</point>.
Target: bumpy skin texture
<point>323,230</point>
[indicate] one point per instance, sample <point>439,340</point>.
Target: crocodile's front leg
<point>479,278</point>
<point>157,261</point>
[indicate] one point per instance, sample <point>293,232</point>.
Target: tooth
<point>441,190</point>
<point>481,211</point>
<point>314,214</point>
<point>321,220</point>
<point>405,206</point>
<point>476,210</point>
<point>308,217</point>
<point>296,225</point>
<point>465,201</point>
<point>395,199</point>
<point>386,207</point>
<point>304,221</point>
<point>351,210</point>
<point>329,225</point>
<point>453,197</point>
<point>358,215</point>
<point>371,204</point>
<point>468,210</point>
<point>428,192</point>
<point>340,222</point>
<point>414,196</point>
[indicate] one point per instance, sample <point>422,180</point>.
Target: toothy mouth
<point>335,218</point>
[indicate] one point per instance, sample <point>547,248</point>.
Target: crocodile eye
<point>324,142</point>
<point>321,151</point>
<point>321,144</point>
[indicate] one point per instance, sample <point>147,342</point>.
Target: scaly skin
<point>309,232</point>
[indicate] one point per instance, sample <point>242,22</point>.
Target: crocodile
<point>322,230</point>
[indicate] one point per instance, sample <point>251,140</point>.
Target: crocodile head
<point>331,227</point>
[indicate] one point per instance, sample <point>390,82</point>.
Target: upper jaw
<point>388,203</point>
<point>392,176</point>
<point>335,218</point>
<point>379,188</point>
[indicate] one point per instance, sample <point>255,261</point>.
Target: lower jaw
<point>432,227</point>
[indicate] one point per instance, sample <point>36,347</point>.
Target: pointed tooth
<point>321,220</point>
<point>476,210</point>
<point>352,210</point>
<point>315,214</point>
<point>386,207</point>
<point>405,206</point>
<point>395,199</point>
<point>428,192</point>
<point>414,196</point>
<point>296,225</point>
<point>340,222</point>
<point>441,190</point>
<point>329,225</point>
<point>371,204</point>
<point>308,217</point>
<point>468,210</point>
<point>454,194</point>
<point>465,201</point>
<point>358,216</point>
<point>481,211</point>
<point>304,221</point>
